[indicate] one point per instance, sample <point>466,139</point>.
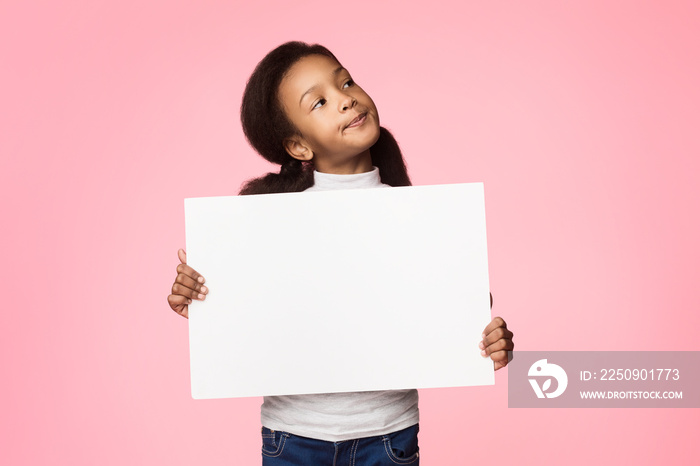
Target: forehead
<point>308,72</point>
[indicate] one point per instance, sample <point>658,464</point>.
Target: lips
<point>357,121</point>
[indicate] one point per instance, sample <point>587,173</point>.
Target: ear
<point>298,148</point>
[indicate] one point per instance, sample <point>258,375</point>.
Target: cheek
<point>374,108</point>
<point>319,134</point>
<point>325,128</point>
<point>364,96</point>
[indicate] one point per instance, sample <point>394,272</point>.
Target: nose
<point>347,102</point>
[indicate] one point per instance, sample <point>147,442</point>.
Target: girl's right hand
<point>188,285</point>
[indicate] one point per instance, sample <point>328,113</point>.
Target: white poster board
<point>338,291</point>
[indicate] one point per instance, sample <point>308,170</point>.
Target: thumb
<point>182,255</point>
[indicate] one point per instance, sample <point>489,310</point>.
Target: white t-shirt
<point>343,416</point>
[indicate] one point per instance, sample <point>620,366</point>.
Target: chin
<point>375,137</point>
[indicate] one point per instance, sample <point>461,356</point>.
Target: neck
<point>361,163</point>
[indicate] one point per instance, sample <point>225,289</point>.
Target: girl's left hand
<point>497,342</point>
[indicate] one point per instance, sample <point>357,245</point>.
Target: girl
<point>302,110</point>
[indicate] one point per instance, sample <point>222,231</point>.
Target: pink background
<point>581,118</point>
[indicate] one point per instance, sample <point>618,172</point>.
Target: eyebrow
<point>313,88</point>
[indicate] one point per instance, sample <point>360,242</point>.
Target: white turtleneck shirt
<point>342,416</point>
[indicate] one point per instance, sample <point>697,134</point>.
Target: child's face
<point>338,121</point>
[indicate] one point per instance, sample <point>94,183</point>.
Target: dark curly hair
<point>266,126</point>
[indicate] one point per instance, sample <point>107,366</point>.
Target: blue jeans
<point>285,449</point>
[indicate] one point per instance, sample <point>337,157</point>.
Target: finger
<point>498,334</point>
<point>505,343</point>
<point>179,304</point>
<point>182,290</point>
<point>183,311</point>
<point>178,300</point>
<point>494,324</point>
<point>500,364</point>
<point>499,345</point>
<point>190,283</point>
<point>182,255</point>
<point>190,272</point>
<point>500,359</point>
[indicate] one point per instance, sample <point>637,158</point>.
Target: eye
<point>348,83</point>
<point>320,103</point>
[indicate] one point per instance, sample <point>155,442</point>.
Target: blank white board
<point>337,291</point>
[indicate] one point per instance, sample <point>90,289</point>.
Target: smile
<point>357,121</point>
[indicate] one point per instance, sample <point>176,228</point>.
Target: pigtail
<point>386,155</point>
<point>294,176</point>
